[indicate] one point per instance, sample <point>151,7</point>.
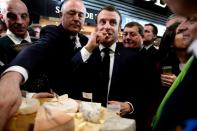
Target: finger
<point>43,95</point>
<point>15,107</point>
<point>166,83</point>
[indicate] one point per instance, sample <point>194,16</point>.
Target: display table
<point>26,122</point>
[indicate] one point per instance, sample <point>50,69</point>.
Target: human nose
<point>127,36</point>
<point>107,25</point>
<point>183,26</point>
<point>19,19</point>
<point>77,16</point>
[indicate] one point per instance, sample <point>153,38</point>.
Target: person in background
<point>52,52</point>
<point>173,53</point>
<point>132,35</point>
<point>148,48</point>
<point>173,19</point>
<point>16,17</point>
<point>36,29</point>
<point>178,104</point>
<point>3,28</point>
<point>150,34</point>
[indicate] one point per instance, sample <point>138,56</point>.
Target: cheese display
<point>28,106</point>
<point>65,114</point>
<point>117,123</point>
<point>91,112</point>
<point>59,98</point>
<point>53,120</point>
<point>67,105</point>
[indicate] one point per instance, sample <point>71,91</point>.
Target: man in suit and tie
<point>51,53</point>
<point>122,62</point>
<point>178,105</point>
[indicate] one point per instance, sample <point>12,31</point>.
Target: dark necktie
<point>24,42</point>
<point>105,72</point>
<point>143,50</point>
<point>73,42</point>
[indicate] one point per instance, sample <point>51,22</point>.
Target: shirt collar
<point>77,42</point>
<point>17,40</point>
<point>147,47</point>
<point>112,47</point>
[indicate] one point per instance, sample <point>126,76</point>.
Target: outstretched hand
<point>10,96</point>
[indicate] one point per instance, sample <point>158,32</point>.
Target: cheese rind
<point>68,105</point>
<point>28,106</point>
<point>52,120</point>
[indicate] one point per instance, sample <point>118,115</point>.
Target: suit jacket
<point>129,82</point>
<point>52,55</point>
<point>182,103</point>
<point>8,51</point>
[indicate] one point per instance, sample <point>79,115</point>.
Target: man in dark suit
<point>126,70</point>
<point>51,53</point>
<point>178,105</point>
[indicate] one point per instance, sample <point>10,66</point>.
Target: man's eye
<point>24,16</point>
<point>102,22</point>
<point>81,15</point>
<point>71,13</point>
<point>125,34</point>
<point>12,16</point>
<point>113,23</point>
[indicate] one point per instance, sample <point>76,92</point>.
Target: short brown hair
<point>111,9</point>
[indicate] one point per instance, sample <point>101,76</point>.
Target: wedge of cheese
<point>67,105</point>
<point>28,106</point>
<point>117,123</point>
<point>53,120</point>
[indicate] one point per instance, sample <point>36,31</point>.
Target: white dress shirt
<point>17,40</point>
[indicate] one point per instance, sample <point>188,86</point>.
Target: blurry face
<point>184,33</point>
<point>179,19</point>
<point>37,32</point>
<point>148,34</point>
<point>16,18</point>
<point>182,39</point>
<point>131,37</point>
<point>1,29</point>
<point>73,15</point>
<point>182,7</point>
<point>108,22</point>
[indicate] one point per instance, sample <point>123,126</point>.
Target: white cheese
<point>117,123</point>
<point>28,106</point>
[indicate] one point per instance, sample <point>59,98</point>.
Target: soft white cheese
<point>28,106</point>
